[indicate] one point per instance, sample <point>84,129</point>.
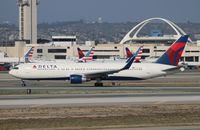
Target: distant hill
<point>101,32</point>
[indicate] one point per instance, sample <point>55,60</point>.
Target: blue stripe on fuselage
<point>106,78</point>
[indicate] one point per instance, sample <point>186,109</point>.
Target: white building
<point>64,40</point>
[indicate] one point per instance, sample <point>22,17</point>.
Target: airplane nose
<point>10,72</point>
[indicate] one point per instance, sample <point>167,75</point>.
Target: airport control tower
<point>28,20</point>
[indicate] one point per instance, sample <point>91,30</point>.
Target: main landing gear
<point>98,83</point>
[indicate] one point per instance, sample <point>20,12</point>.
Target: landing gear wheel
<point>98,84</point>
<point>23,83</point>
<point>28,91</point>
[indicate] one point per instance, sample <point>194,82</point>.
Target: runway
<point>161,90</point>
<point>160,128</point>
<point>195,89</point>
<point>161,101</point>
<point>105,99</point>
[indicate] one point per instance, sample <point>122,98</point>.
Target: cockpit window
<point>15,68</point>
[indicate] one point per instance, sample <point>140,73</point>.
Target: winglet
<point>131,59</point>
<point>173,54</point>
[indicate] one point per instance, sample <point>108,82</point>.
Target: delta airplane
<point>83,72</point>
<point>73,71</point>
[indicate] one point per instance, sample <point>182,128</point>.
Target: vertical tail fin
<point>29,54</point>
<point>173,54</point>
<point>138,57</point>
<point>135,54</point>
<point>128,53</point>
<point>88,56</point>
<point>80,53</point>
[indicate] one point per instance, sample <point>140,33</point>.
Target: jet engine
<point>77,79</point>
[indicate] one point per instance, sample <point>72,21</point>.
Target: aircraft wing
<point>101,74</point>
<point>107,72</point>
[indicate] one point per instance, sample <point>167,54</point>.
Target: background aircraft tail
<point>88,56</point>
<point>135,54</point>
<point>138,57</point>
<point>80,53</point>
<point>173,54</point>
<point>128,53</point>
<point>29,54</point>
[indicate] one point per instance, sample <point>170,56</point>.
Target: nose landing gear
<point>23,84</point>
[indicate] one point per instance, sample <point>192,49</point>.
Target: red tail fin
<point>80,53</point>
<point>173,54</point>
<point>128,53</point>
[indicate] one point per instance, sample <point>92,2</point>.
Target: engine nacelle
<point>77,79</point>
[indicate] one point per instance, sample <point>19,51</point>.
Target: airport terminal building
<point>65,47</point>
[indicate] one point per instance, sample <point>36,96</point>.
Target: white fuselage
<point>39,71</point>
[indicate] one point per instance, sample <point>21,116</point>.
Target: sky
<point>108,10</point>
